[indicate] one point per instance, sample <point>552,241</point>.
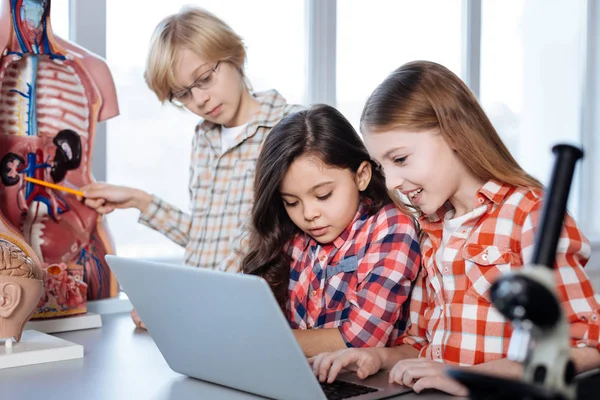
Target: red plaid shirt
<point>359,282</point>
<point>451,317</point>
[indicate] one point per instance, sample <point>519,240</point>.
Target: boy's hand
<point>420,374</point>
<point>327,366</point>
<point>105,198</point>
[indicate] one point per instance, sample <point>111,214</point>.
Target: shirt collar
<point>492,191</point>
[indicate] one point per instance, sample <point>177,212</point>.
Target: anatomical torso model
<point>52,95</point>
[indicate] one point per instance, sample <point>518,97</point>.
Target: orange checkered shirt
<point>221,187</point>
<point>451,317</point>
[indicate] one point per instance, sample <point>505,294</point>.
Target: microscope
<point>527,297</point>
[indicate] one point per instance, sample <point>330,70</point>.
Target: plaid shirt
<point>221,187</point>
<point>359,282</point>
<point>451,317</point>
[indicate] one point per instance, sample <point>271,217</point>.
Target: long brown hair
<point>321,131</point>
<point>423,95</point>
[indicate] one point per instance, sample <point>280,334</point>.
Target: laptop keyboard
<point>344,390</point>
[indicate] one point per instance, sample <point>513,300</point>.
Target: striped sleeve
<point>416,333</point>
<point>385,277</point>
<point>168,220</point>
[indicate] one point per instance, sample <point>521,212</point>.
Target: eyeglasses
<point>203,82</point>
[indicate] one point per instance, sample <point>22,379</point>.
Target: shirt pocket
<point>340,282</point>
<point>484,265</point>
<point>240,193</point>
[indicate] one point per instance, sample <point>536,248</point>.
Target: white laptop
<point>228,329</point>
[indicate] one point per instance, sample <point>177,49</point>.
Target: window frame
<point>88,29</point>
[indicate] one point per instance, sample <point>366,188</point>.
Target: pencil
<point>54,186</point>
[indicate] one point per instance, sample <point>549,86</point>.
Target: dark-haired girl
<point>327,237</point>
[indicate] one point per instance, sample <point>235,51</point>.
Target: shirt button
<point>594,317</point>
<point>446,269</point>
<point>484,256</point>
<point>308,326</point>
<point>313,293</point>
<point>480,200</point>
<point>323,258</point>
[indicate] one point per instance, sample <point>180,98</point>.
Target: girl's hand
<point>327,366</point>
<point>420,374</point>
<point>137,320</point>
<point>105,198</point>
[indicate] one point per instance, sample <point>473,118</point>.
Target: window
<point>532,71</point>
<point>591,131</point>
<point>376,37</point>
<point>59,18</point>
<point>534,84</point>
<point>149,143</point>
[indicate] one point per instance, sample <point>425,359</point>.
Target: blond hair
<point>423,95</point>
<point>197,30</point>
